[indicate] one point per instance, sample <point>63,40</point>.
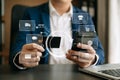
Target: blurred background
<point>105,14</point>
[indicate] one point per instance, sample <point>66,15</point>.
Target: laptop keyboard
<point>112,72</point>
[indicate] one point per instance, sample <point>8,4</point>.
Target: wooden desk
<point>46,72</point>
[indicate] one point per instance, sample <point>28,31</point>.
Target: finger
<point>72,52</point>
<point>32,60</point>
<point>85,57</point>
<point>77,59</point>
<point>33,46</point>
<point>39,54</point>
<point>83,65</point>
<point>36,54</point>
<point>87,47</point>
<point>27,64</point>
<point>81,54</point>
<point>29,55</point>
<point>80,61</point>
<point>83,46</point>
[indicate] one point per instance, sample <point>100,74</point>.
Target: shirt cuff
<point>15,63</point>
<point>96,60</point>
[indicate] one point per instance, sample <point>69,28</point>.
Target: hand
<point>34,51</point>
<point>83,59</point>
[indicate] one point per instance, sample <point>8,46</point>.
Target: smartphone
<point>84,38</point>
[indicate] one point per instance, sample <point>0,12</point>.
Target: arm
<point>91,52</point>
<point>20,41</point>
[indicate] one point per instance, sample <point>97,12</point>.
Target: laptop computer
<point>107,71</point>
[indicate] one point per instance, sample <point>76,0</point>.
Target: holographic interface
<point>85,34</point>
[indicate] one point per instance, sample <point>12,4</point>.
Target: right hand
<point>35,51</point>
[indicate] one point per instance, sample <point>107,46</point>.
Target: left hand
<point>83,59</point>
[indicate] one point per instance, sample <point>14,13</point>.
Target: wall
<point>103,25</point>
